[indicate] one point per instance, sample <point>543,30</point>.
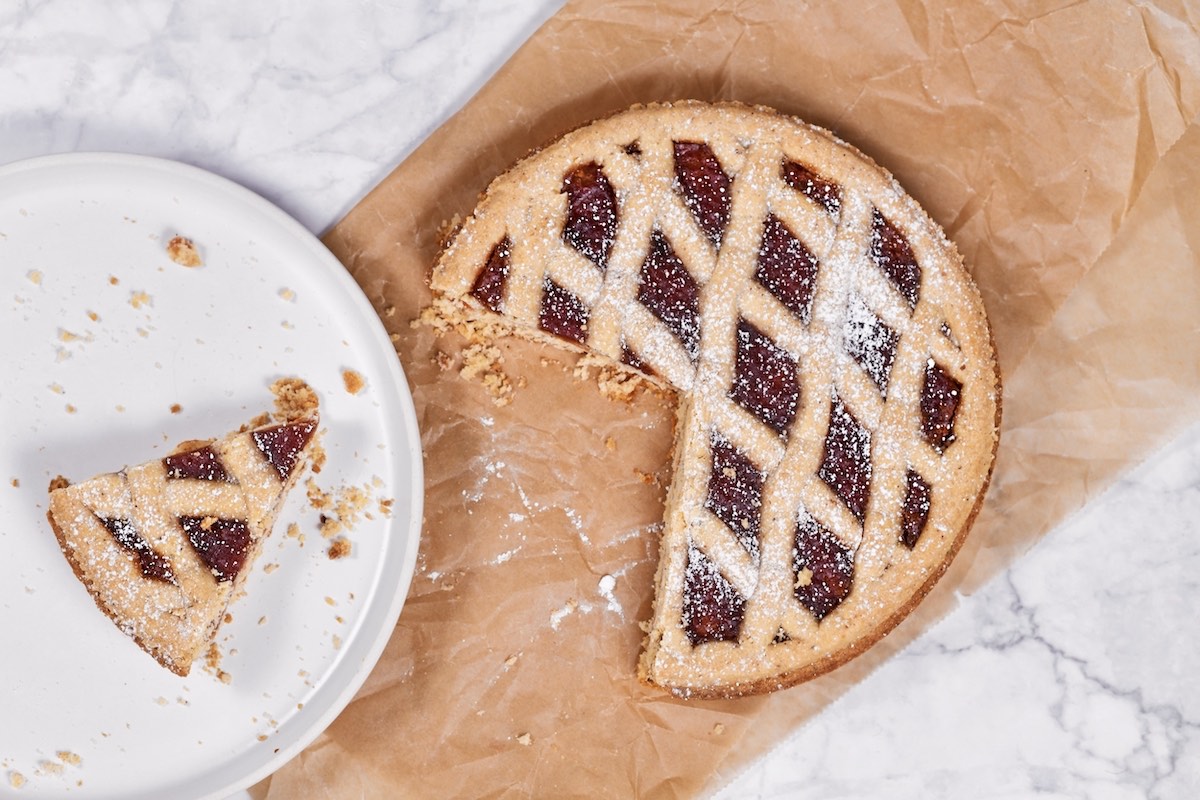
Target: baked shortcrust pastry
<point>163,547</point>
<point>837,387</point>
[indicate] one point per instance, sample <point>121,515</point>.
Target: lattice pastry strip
<point>839,397</point>
<point>164,546</point>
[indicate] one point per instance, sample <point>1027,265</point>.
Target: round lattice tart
<point>838,391</point>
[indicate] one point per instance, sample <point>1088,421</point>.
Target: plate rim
<point>363,664</point>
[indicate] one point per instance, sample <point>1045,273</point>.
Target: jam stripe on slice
<point>786,268</point>
<point>591,224</point>
<point>824,568</point>
<point>704,186</point>
<point>202,465</point>
<point>713,610</point>
<point>766,379</point>
<point>562,313</point>
<point>221,543</point>
<point>735,492</point>
<point>154,565</point>
<point>812,186</point>
<point>282,444</point>
<point>846,462</point>
<point>492,279</point>
<point>670,293</point>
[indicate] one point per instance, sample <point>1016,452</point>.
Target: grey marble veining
<point>1073,674</point>
<point>309,104</point>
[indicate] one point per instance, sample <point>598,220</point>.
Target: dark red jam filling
<point>915,512</point>
<point>591,224</point>
<point>704,186</point>
<point>812,186</point>
<point>846,462</point>
<point>153,564</point>
<point>713,610</point>
<point>634,149</point>
<point>630,358</point>
<point>940,395</point>
<point>562,313</point>
<point>786,268</point>
<point>766,379</point>
<point>872,344</point>
<point>824,568</point>
<point>282,444</point>
<point>492,279</point>
<point>223,546</point>
<point>670,293</point>
<point>893,254</point>
<point>735,492</point>
<point>202,465</point>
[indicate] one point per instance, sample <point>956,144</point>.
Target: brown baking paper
<point>1059,149</point>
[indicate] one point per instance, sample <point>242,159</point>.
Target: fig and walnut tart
<point>164,547</point>
<point>838,393</point>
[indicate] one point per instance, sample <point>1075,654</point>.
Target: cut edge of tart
<point>164,547</point>
<point>838,392</point>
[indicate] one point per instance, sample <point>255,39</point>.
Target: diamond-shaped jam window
<point>941,393</point>
<point>892,253</point>
<point>846,462</point>
<point>786,268</point>
<point>669,292</point>
<point>766,379</point>
<point>562,313</point>
<point>871,343</point>
<point>812,185</point>
<point>704,186</point>
<point>823,568</point>
<point>915,511</point>
<point>713,610</point>
<point>591,224</point>
<point>735,492</point>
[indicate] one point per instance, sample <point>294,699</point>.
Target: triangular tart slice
<point>163,547</point>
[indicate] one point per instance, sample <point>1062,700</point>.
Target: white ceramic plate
<point>101,335</point>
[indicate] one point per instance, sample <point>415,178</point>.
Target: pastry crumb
<point>182,251</point>
<point>138,299</point>
<point>287,294</point>
<point>112,280</point>
<point>718,729</point>
<point>67,757</point>
<point>339,548</point>
<point>353,381</point>
<point>16,780</point>
<point>16,483</point>
<point>35,276</point>
<point>176,408</point>
<point>524,739</point>
<point>58,482</point>
<point>294,399</point>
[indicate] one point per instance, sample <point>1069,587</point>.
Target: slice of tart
<point>838,393</point>
<point>163,547</point>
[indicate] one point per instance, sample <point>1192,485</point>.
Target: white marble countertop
<point>1074,674</point>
